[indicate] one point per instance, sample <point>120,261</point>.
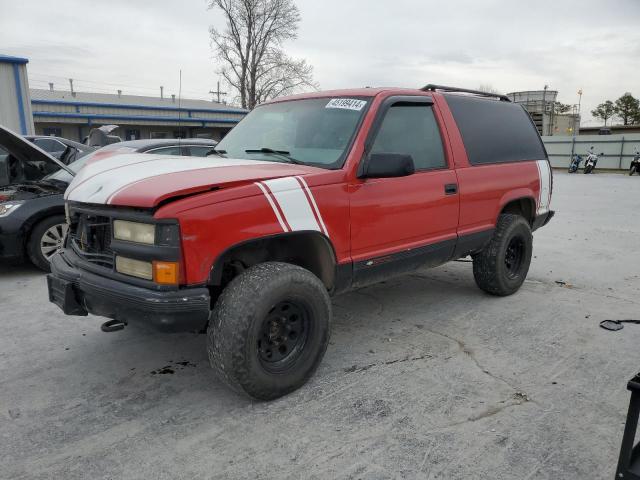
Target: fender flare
<point>325,259</point>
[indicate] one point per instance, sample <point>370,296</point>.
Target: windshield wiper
<point>281,153</point>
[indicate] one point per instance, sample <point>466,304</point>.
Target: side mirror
<point>387,165</point>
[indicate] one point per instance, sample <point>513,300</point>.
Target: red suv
<point>309,196</point>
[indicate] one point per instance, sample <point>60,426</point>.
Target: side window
<point>50,145</point>
<point>495,132</point>
<point>200,151</point>
<point>132,134</point>
<point>166,151</point>
<point>411,129</point>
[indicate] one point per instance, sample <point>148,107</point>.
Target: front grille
<point>90,238</point>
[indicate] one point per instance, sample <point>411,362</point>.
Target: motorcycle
<point>635,163</point>
<point>575,163</point>
<point>591,162</point>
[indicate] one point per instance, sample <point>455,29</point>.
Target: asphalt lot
<point>426,376</point>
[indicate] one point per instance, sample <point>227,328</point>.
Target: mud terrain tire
<point>269,330</point>
<point>501,268</point>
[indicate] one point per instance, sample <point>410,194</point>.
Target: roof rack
<point>431,87</point>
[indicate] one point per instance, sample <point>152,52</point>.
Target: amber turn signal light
<point>166,273</point>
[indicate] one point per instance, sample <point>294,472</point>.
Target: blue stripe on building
<point>16,78</point>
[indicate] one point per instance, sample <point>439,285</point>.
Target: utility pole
<point>217,92</point>
<point>576,127</point>
<point>544,108</point>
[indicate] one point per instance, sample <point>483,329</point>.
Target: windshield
<point>316,132</point>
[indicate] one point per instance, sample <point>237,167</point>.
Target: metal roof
<point>10,59</point>
<point>127,101</point>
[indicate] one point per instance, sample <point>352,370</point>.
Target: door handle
<point>451,188</point>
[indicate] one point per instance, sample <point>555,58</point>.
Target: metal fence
<point>618,149</point>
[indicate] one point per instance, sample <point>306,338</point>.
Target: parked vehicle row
<point>33,180</point>
<point>589,164</point>
<point>309,196</point>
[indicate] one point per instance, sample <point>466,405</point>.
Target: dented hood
<point>145,180</point>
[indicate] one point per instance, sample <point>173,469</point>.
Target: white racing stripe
<point>313,204</point>
<point>544,173</point>
<point>273,206</point>
<point>292,196</point>
<point>100,183</point>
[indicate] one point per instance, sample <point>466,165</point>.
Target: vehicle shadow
<point>169,367</point>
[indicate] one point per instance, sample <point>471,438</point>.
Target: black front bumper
<point>78,292</point>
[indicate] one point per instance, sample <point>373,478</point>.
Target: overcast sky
<point>138,45</point>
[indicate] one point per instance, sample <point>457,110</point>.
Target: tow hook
<point>112,326</point>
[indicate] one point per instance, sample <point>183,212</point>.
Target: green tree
<point>627,107</point>
<point>562,107</point>
<point>604,111</point>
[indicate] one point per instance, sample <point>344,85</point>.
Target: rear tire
<point>46,238</point>
<point>501,268</point>
<point>269,330</point>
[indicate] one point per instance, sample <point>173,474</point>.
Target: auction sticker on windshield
<point>346,103</point>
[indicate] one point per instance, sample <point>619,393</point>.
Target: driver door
<point>402,223</point>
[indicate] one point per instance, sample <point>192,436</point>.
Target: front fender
<point>267,208</point>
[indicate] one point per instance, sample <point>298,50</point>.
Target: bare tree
<point>250,51</point>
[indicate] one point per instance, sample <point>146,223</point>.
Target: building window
<point>182,133</point>
<point>158,134</point>
<point>52,131</point>
<point>132,134</point>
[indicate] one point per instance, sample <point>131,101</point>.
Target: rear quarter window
<point>495,131</point>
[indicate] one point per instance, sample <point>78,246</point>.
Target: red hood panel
<point>145,180</point>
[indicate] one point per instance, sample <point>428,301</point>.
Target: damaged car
<point>32,220</point>
<point>32,216</point>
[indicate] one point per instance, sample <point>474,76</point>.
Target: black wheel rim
<point>514,256</point>
<point>283,335</point>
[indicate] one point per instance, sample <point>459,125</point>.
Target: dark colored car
<point>32,219</point>
<point>67,151</point>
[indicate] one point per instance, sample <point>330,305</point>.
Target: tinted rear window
<point>494,131</point>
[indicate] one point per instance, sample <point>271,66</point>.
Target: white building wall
<point>618,149</point>
<point>15,102</point>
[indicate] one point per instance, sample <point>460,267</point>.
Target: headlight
<point>8,207</point>
<point>135,268</point>
<point>134,232</point>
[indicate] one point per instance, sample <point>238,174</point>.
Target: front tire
<point>47,237</point>
<point>269,330</point>
<point>501,268</point>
